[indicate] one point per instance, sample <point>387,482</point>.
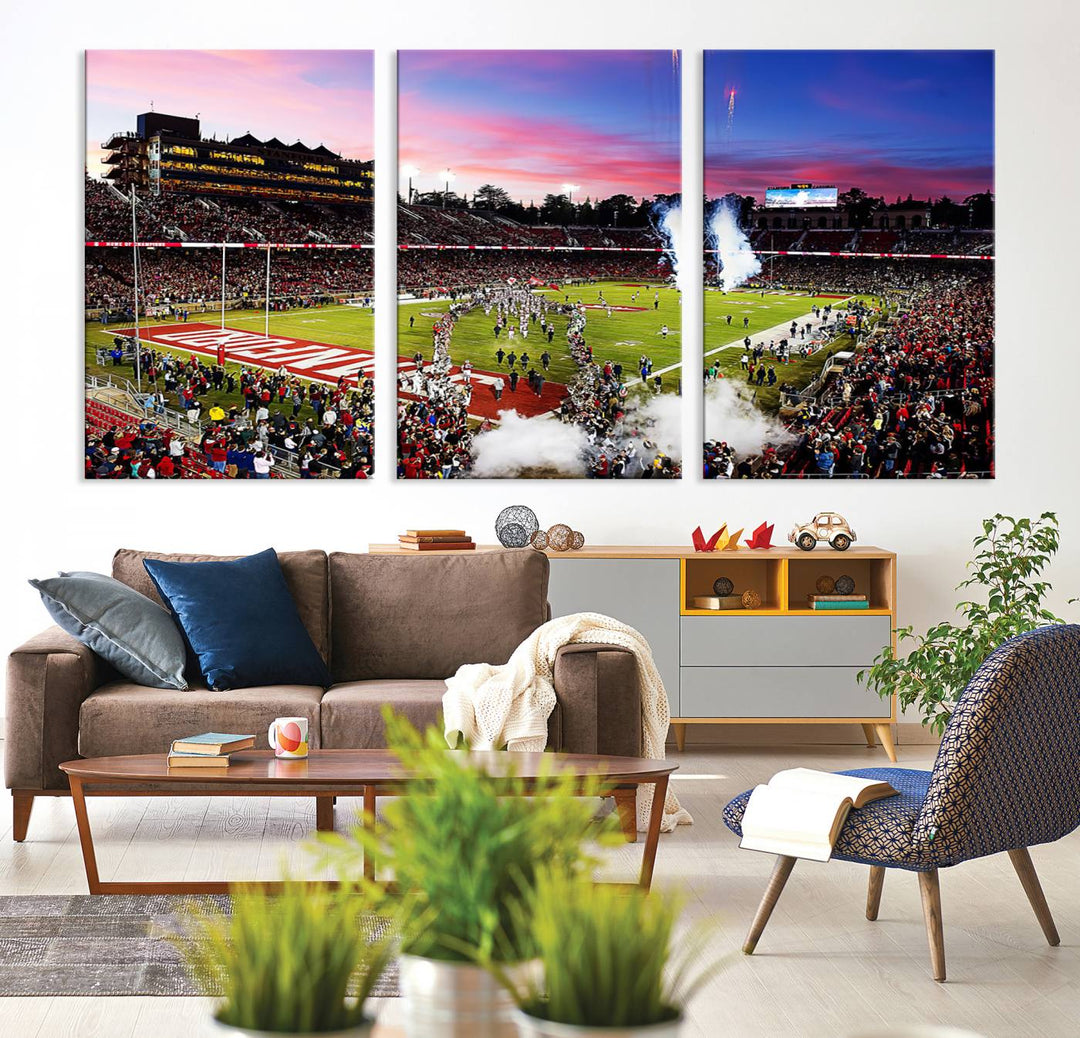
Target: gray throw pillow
<point>136,635</point>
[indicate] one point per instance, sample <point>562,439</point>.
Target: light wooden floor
<point>820,969</point>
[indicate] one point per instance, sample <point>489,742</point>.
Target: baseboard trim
<point>907,733</point>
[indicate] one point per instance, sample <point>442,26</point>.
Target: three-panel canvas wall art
<point>541,255</point>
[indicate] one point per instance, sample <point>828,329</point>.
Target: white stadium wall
<point>58,521</point>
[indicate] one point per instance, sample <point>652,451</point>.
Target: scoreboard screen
<point>800,197</point>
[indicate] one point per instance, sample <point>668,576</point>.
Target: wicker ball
<point>515,526</point>
<point>723,586</point>
<point>825,584</point>
<point>577,542</point>
<point>560,537</point>
<point>751,599</point>
<point>845,585</point>
<point>540,540</point>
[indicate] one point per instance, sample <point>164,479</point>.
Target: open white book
<point>801,811</point>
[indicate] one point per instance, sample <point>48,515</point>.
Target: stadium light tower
<point>410,172</point>
<point>447,177</point>
<point>569,190</point>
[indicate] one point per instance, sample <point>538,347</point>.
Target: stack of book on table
<point>209,750</point>
<point>436,540</point>
<point>826,602</point>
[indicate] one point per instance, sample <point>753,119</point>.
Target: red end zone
<point>310,360</point>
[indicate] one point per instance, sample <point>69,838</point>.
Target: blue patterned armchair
<point>1006,777</point>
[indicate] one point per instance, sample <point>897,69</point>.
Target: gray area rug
<point>111,944</point>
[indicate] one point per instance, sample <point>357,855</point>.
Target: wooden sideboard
<point>780,663</point>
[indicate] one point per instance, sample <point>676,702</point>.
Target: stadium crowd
<point>915,401</point>
<point>216,218</point>
<point>320,431</point>
<point>193,276</point>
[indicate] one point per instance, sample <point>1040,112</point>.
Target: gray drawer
<point>778,692</point>
<point>643,593</point>
<point>782,641</point>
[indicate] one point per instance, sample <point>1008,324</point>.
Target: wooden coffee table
<point>327,774</point>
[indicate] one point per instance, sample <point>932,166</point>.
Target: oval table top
<point>374,767</point>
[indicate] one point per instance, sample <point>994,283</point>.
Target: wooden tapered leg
<point>1021,860</point>
<point>369,822</point>
<point>626,806</point>
<point>21,806</point>
<point>871,739</point>
<point>680,736</point>
<point>931,906</point>
<point>652,836</point>
<point>781,871</point>
<point>86,837</point>
<point>324,814</point>
<point>884,732</point>
<point>873,892</point>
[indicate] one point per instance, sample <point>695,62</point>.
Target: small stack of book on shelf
<point>436,540</point>
<point>209,750</point>
<point>827,602</point>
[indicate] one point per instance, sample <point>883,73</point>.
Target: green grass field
<point>624,336</point>
<point>334,325</point>
<point>764,313</point>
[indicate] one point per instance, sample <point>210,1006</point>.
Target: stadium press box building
<point>166,153</point>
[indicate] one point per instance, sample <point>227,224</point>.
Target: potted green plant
<point>465,849</point>
<point>607,966</point>
<point>1010,557</point>
<point>298,962</point>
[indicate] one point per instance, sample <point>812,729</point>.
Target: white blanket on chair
<point>510,705</point>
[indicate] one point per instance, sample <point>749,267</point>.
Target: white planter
<point>534,1027</point>
<point>452,1000</point>
<point>359,1031</point>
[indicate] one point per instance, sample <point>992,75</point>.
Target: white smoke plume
<point>656,418</point>
<point>738,261</point>
<point>541,446</point>
<point>731,418</point>
<point>667,220</point>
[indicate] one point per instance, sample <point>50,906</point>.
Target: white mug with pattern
<point>288,737</point>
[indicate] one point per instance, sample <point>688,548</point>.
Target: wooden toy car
<point>825,526</point>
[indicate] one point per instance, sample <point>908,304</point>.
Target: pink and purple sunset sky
<point>890,122</point>
<point>318,97</point>
<point>531,121</point>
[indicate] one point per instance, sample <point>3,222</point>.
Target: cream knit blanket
<point>494,706</point>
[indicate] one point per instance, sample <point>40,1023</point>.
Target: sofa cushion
<point>352,712</point>
<point>136,635</point>
<point>239,618</point>
<point>122,717</point>
<point>397,616</point>
<point>305,574</point>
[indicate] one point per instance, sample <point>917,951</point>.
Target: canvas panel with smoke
<point>539,324</point>
<point>849,265</point>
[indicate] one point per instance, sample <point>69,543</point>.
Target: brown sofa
<point>391,629</point>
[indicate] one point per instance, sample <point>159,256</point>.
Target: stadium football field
<point>723,341</point>
<point>624,336</point>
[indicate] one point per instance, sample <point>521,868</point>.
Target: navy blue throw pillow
<point>240,621</point>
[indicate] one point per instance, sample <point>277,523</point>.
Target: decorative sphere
<point>723,586</point>
<point>515,526</point>
<point>540,540</point>
<point>751,599</point>
<point>845,585</point>
<point>560,537</point>
<point>825,585</point>
<point>577,542</point>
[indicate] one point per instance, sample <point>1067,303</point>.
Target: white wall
<point>58,521</point>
